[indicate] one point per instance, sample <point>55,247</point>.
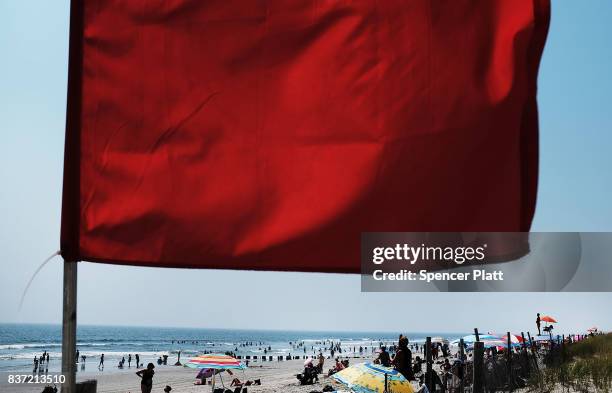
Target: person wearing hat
<point>167,389</point>
<point>146,375</point>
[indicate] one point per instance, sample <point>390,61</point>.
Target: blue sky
<point>575,195</point>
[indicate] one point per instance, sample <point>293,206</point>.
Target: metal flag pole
<point>69,327</point>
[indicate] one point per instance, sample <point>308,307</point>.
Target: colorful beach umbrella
<point>489,341</point>
<point>370,378</point>
<point>215,361</point>
<point>515,339</point>
<point>547,318</point>
<point>471,339</point>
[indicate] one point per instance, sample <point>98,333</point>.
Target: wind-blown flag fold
<point>270,134</point>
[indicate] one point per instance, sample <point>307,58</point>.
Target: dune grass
<point>585,366</point>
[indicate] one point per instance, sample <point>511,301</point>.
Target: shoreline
<point>275,376</point>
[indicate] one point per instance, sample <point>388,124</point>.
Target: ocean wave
<point>30,345</point>
<point>54,356</point>
<point>29,355</point>
<point>101,343</point>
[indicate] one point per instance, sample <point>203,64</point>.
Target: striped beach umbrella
<point>471,339</point>
<point>215,361</point>
<point>370,378</point>
<point>515,339</point>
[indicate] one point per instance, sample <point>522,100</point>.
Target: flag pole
<point>69,327</point>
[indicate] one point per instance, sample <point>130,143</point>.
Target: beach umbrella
<point>215,362</point>
<point>499,344</point>
<point>515,339</point>
<point>370,378</point>
<point>488,341</point>
<point>471,339</point>
<point>547,318</point>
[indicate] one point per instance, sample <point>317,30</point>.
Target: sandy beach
<point>275,377</point>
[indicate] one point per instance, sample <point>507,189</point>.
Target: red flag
<point>271,134</point>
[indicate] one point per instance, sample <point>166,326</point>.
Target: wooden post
<point>386,382</point>
<point>526,355</point>
<point>509,362</point>
<point>563,348</point>
<point>69,327</point>
<point>429,361</point>
<point>534,353</point>
<point>530,342</point>
<point>478,367</point>
<point>462,365</point>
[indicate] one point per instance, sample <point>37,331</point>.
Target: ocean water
<point>20,343</point>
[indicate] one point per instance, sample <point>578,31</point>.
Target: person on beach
<point>129,360</point>
<point>47,361</point>
<point>35,363</point>
<point>321,362</point>
<point>383,357</point>
<point>339,365</point>
<point>137,360</point>
<point>402,361</point>
<point>417,368</point>
<point>446,366</point>
<point>146,375</point>
<point>101,364</point>
<point>538,324</point>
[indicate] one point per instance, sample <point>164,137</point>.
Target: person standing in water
<point>130,360</point>
<point>146,375</point>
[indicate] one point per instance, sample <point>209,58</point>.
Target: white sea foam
<point>30,345</point>
<point>54,356</point>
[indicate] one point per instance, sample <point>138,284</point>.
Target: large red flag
<point>271,134</point>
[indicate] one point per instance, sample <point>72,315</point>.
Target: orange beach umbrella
<point>547,318</point>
